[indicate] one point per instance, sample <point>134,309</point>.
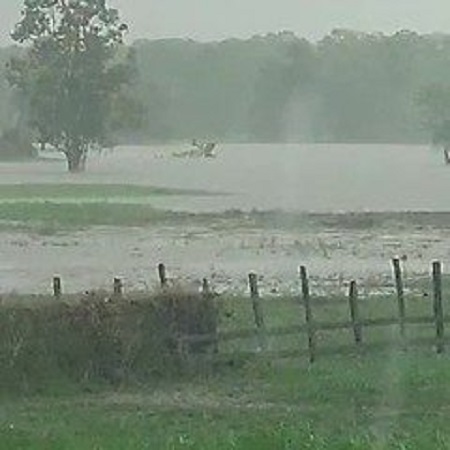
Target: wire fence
<point>302,324</point>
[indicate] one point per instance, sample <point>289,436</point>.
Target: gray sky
<point>219,19</point>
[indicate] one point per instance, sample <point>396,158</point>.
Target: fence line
<point>311,326</point>
<point>356,323</point>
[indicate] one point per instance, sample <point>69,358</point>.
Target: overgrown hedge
<point>100,337</point>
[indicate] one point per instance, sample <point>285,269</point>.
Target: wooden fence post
<point>211,315</point>
<point>400,295</point>
<point>437,305</point>
<point>162,274</point>
<point>257,310</point>
<point>57,287</point>
<point>308,314</point>
<point>354,312</point>
<point>117,287</point>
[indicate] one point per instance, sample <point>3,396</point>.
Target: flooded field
<point>331,178</point>
<point>301,178</point>
<point>90,259</point>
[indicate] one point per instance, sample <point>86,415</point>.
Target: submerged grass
<point>50,217</point>
<point>13,192</point>
<point>53,207</point>
<point>53,216</point>
<point>77,215</point>
<point>50,208</point>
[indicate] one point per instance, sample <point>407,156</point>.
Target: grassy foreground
<point>392,401</point>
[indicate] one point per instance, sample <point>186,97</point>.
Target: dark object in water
<point>447,155</point>
<point>207,148</point>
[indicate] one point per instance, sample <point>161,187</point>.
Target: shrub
<point>101,337</point>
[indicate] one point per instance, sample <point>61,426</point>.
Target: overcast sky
<point>219,19</point>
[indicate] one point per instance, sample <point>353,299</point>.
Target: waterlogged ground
<point>224,254</point>
<point>290,178</point>
<point>324,178</point>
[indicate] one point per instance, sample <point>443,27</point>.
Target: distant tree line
<point>348,87</point>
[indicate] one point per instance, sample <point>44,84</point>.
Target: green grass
<point>400,402</point>
<point>390,399</point>
<point>279,313</point>
<point>56,216</point>
<point>22,192</point>
<point>50,217</point>
<point>49,208</point>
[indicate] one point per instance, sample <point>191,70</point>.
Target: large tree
<point>73,73</point>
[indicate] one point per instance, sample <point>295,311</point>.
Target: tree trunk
<point>76,159</point>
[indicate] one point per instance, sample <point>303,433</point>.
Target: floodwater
<point>296,177</point>
<point>90,259</point>
<point>331,178</point>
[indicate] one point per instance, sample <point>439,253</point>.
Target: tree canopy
<point>73,73</point>
<point>348,87</point>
